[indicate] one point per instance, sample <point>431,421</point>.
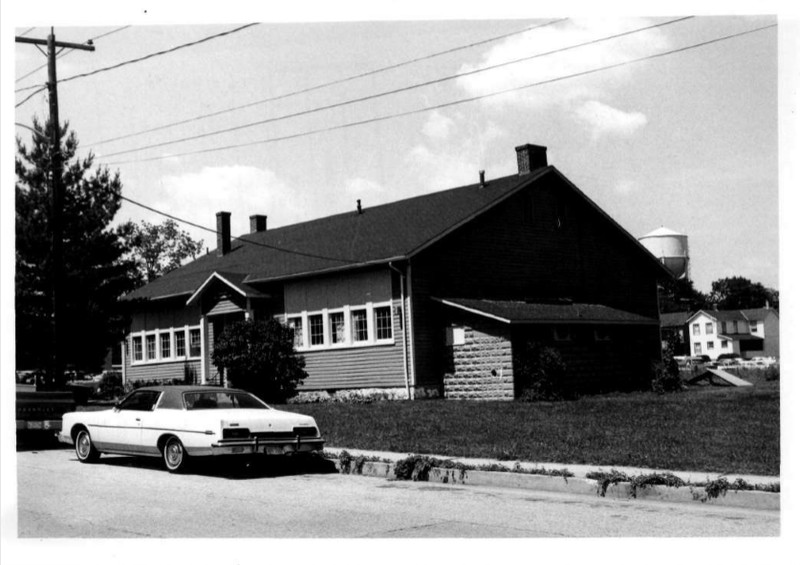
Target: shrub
<point>542,372</point>
<point>666,375</point>
<point>110,385</point>
<point>259,357</point>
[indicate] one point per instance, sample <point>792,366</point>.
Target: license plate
<point>35,426</point>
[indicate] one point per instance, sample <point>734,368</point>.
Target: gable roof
<point>519,312</point>
<point>750,314</point>
<point>380,234</point>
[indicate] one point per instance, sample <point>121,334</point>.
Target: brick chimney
<point>258,222</point>
<point>223,233</point>
<point>530,157</point>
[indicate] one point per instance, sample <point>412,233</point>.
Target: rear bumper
<point>266,446</point>
<point>47,425</point>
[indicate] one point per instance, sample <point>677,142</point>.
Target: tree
<point>679,295</point>
<point>259,357</point>
<point>158,248</point>
<point>734,293</point>
<point>94,273</point>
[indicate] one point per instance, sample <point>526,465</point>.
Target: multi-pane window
<point>753,327</point>
<point>166,345</point>
<point>316,329</point>
<point>297,326</point>
<point>695,329</point>
<point>359,324</point>
<point>383,322</point>
<point>195,346</point>
<point>710,345</point>
<point>180,343</point>
<point>697,348</point>
<point>150,346</point>
<point>336,320</point>
<point>724,345</point>
<point>137,348</point>
<point>709,327</point>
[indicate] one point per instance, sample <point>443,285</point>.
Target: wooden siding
<point>163,314</point>
<point>338,290</point>
<point>167,370</point>
<point>543,243</point>
<point>224,305</point>
<point>357,367</point>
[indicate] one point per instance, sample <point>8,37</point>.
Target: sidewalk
<point>578,483</point>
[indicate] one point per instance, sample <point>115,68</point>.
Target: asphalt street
<point>124,497</point>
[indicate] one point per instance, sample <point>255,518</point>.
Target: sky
<point>687,141</point>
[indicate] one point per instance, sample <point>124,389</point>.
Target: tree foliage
<point>259,357</point>
<point>679,295</point>
<point>541,372</point>
<point>94,275</point>
<point>157,249</point>
<point>734,293</point>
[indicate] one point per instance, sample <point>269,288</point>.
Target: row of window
<point>709,346</point>
<point>731,327</point>
<point>349,326</point>
<point>174,344</point>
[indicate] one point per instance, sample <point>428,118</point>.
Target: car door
<point>128,419</point>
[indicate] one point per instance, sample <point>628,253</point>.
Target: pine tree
<point>94,274</point>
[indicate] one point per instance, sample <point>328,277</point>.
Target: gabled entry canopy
<point>234,281</point>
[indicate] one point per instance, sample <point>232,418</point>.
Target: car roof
<point>189,388</point>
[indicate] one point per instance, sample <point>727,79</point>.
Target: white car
<point>180,422</point>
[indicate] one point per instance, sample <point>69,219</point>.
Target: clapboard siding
<point>357,367</point>
<point>163,371</point>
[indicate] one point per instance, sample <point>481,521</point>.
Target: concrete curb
<point>759,500</point>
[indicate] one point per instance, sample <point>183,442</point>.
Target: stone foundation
<point>482,367</point>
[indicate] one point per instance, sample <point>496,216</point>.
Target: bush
<point>259,357</point>
<point>542,372</point>
<point>110,386</point>
<point>666,375</point>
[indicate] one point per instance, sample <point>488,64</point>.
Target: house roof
<point>674,319</point>
<point>518,312</point>
<point>380,234</point>
<point>751,314</point>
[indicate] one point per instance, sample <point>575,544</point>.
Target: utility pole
<point>56,376</point>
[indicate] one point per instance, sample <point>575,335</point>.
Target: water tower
<point>671,248</point>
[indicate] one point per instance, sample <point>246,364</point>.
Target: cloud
<point>605,120</point>
<point>361,186</point>
<point>198,196</point>
<point>547,67</point>
<point>438,126</point>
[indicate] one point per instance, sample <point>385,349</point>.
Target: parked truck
<point>39,412</point>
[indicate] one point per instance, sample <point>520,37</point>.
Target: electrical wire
<point>31,95</point>
<point>26,32</point>
<point>451,103</point>
<point>71,51</point>
<point>326,84</point>
<point>247,241</point>
<point>393,91</point>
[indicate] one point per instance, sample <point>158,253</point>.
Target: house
<point>427,296</point>
<point>750,333</point>
<point>675,328</point>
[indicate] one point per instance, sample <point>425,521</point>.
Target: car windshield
<point>210,400</point>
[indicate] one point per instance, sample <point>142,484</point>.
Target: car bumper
<point>64,437</point>
<point>47,425</point>
<point>268,447</point>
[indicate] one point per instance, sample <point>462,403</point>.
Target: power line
<point>452,103</point>
<point>31,95</point>
<point>249,242</point>
<point>27,31</point>
<point>70,51</point>
<point>393,91</point>
<point>150,56</point>
<point>327,84</point>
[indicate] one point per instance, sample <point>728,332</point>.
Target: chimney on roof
<point>358,207</point>
<point>530,157</point>
<point>482,177</point>
<point>258,222</point>
<point>223,233</point>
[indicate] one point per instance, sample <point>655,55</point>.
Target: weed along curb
<point>662,487</point>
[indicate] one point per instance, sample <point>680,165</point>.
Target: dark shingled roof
<point>380,234</point>
<point>674,319</point>
<point>518,312</point>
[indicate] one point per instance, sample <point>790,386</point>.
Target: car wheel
<point>84,448</point>
<point>175,456</point>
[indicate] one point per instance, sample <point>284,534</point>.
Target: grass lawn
<point>713,429</point>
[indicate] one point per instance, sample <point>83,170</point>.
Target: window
<point>724,344</point>
<point>753,327</point>
<point>180,343</point>
<point>709,327</point>
<point>336,320</point>
<point>697,350</point>
<point>141,400</point>
<point>137,348</point>
<point>194,343</point>
<point>601,334</point>
<point>150,346</point>
<point>383,322</point>
<point>297,326</point>
<point>316,329</point>
<point>359,325</point>
<point>562,334</point>
<point>695,329</point>
<point>166,345</point>
<point>709,345</point>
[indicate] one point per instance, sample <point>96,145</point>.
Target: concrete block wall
<point>482,367</point>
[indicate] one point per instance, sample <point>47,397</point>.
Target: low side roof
<point>518,312</point>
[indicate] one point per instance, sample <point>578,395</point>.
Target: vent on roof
<point>258,222</point>
<point>223,233</point>
<point>358,207</point>
<point>482,177</point>
<point>530,157</point>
